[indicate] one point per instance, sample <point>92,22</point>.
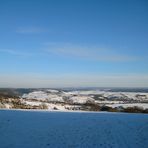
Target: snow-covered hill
<point>112,99</point>
<point>90,99</point>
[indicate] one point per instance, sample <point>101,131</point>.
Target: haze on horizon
<point>77,43</point>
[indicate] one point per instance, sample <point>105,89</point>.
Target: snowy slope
<point>81,99</point>
<point>41,95</point>
<point>30,129</point>
<point>142,105</point>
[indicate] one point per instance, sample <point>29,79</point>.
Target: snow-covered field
<point>45,129</point>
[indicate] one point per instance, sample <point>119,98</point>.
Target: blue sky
<point>65,43</point>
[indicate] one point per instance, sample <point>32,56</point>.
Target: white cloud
<point>14,52</point>
<point>88,53</point>
<point>30,30</point>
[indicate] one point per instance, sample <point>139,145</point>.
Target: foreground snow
<point>72,130</point>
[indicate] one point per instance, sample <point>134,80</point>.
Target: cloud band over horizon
<point>71,80</point>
